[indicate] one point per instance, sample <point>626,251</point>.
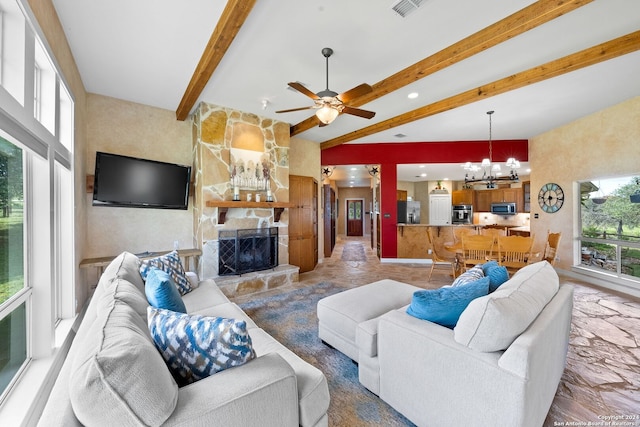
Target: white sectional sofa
<point>500,365</point>
<point>114,376</point>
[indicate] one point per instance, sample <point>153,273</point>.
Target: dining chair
<point>551,247</point>
<point>514,252</point>
<point>460,231</point>
<point>494,232</point>
<point>476,249</point>
<point>437,257</point>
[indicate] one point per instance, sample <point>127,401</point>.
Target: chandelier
<point>491,171</point>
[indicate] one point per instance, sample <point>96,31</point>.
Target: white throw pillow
<point>493,322</point>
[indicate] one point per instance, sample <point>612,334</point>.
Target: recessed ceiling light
<point>422,166</point>
<point>353,169</point>
<point>423,174</point>
<point>412,95</point>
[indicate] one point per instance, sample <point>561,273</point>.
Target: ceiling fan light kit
<point>330,104</point>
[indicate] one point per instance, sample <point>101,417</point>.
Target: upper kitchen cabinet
<point>401,195</point>
<point>484,198</point>
<point>463,197</point>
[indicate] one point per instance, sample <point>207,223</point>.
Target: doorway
<point>355,217</point>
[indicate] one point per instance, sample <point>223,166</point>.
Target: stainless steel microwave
<point>503,208</point>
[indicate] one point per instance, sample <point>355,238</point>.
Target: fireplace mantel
<point>224,205</point>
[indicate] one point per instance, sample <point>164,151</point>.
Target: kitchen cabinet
<point>463,197</point>
<point>401,195</point>
<point>484,198</point>
<point>303,222</point>
<point>439,209</point>
<point>526,196</point>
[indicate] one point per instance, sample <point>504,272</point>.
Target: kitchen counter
<point>520,231</point>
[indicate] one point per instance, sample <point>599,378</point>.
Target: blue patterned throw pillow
<point>171,264</point>
<point>445,305</point>
<point>195,347</point>
<point>161,292</point>
<point>471,275</point>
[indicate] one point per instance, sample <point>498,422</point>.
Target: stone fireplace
<point>216,131</point>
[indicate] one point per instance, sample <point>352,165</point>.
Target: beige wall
<point>136,130</point>
<point>604,144</point>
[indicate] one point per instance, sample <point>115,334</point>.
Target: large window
<point>13,329</point>
<point>36,208</point>
<point>610,219</point>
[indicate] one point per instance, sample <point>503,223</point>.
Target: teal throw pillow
<point>445,305</point>
<point>195,347</point>
<point>171,264</point>
<point>471,275</point>
<point>161,292</point>
<point>497,274</point>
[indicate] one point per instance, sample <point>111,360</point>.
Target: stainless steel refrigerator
<point>408,212</point>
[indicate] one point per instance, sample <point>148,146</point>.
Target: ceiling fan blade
<point>358,112</point>
<point>296,109</point>
<point>303,90</point>
<point>356,92</point>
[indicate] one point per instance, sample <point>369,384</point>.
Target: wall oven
<point>462,214</point>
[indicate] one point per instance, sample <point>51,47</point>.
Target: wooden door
<point>329,220</point>
<point>354,217</point>
<point>303,222</point>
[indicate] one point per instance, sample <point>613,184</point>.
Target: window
<point>610,222</point>
<point>13,294</point>
<point>37,263</point>
<point>12,49</point>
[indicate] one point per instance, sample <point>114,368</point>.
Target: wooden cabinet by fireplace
<point>303,222</point>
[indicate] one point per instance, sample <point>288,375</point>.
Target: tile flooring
<point>601,383</point>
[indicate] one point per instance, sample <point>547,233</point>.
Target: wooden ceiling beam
<point>524,20</point>
<point>231,20</point>
<point>603,52</point>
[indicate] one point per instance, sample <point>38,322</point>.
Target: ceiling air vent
<point>400,135</point>
<point>405,7</point>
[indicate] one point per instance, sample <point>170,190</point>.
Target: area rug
<point>353,252</point>
<point>291,319</point>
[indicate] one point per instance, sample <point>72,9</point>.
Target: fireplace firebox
<point>247,250</point>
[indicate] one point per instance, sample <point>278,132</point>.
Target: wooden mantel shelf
<point>224,205</point>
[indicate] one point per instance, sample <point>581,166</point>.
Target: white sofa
<point>500,366</point>
<point>129,384</point>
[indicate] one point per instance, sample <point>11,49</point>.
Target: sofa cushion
<point>206,295</point>
<point>444,305</point>
<point>497,274</point>
<point>471,275</point>
<point>117,375</point>
<point>161,292</point>
<point>493,322</point>
<point>171,264</point>
<point>196,347</point>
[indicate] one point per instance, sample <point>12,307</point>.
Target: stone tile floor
<point>601,383</point>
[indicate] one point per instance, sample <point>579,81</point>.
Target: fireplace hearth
<point>247,250</point>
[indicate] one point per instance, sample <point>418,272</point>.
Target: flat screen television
<point>132,182</point>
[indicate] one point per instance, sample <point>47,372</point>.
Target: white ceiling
<point>146,51</point>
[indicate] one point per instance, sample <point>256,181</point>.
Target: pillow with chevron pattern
<point>171,264</point>
<point>195,347</point>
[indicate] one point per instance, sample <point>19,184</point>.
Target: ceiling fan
<point>328,103</point>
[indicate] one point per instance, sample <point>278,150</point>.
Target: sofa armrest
<point>262,392</point>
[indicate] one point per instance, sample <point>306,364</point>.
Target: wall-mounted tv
<point>132,182</point>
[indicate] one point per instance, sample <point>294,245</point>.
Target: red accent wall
<point>388,155</point>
